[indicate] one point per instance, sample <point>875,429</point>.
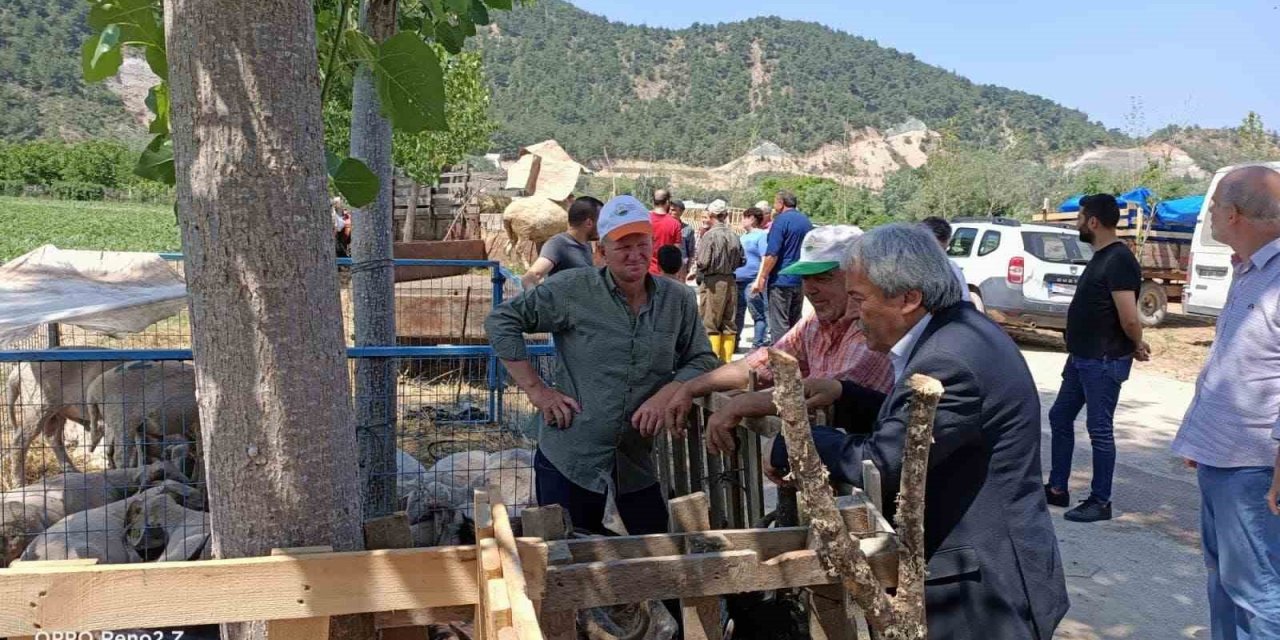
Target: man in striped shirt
<point>1230,432</point>
<point>829,344</point>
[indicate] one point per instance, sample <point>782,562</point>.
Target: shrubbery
<point>91,170</point>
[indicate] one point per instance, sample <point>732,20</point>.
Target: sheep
<point>100,532</point>
<point>27,511</point>
<point>40,398</point>
<point>136,402</point>
<point>159,527</point>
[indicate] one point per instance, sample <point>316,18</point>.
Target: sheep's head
<point>19,523</point>
<point>144,523</point>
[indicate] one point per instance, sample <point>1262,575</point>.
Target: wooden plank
<point>50,565</point>
<point>871,484</point>
<point>523,617</point>
<point>281,587</point>
<point>549,522</point>
<point>298,629</point>
<point>680,465</point>
<point>701,616</point>
<point>828,616</point>
<point>716,490</point>
<point>769,543</point>
<point>388,532</point>
<point>767,426</point>
<point>497,598</point>
<point>598,584</point>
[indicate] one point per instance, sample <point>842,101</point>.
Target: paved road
<point>1139,575</point>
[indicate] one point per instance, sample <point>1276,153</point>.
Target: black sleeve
<point>1123,273</point>
<point>857,408</point>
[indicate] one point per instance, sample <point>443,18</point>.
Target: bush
<point>68,190</point>
<point>12,187</point>
<point>143,191</point>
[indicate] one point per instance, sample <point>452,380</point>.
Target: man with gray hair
<point>993,565</point>
<point>1229,433</point>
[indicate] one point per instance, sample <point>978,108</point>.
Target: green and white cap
<point>823,249</point>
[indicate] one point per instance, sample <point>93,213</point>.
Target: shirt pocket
<point>662,352</point>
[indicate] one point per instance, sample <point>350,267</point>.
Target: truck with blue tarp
<point>1159,235</point>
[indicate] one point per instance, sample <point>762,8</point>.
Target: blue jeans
<point>759,314</point>
<point>1095,383</point>
<point>1241,540</point>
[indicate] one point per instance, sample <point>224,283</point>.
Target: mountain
<point>42,94</point>
<point>709,93</point>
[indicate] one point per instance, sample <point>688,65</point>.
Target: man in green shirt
<point>625,343</point>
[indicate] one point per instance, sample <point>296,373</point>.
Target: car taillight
<point>1016,270</point>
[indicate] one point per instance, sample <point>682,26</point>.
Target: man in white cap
<point>719,255</point>
<point>829,343</point>
<point>625,343</point>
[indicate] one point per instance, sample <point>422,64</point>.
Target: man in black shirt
<point>1104,336</point>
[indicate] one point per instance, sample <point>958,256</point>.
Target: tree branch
<point>908,602</point>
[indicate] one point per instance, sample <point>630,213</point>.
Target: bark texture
<point>900,617</point>
<point>263,290</point>
<point>372,280</point>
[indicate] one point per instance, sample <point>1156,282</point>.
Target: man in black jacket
<point>993,563</point>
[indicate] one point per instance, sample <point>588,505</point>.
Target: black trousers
<point>643,512</point>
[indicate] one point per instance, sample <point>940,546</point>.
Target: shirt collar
<point>902,350</point>
<point>650,283</point>
<point>1262,256</point>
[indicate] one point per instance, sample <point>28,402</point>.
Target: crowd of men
<point>636,344</point>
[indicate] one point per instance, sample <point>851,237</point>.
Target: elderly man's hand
<point>557,408</point>
<point>722,424</point>
<point>651,415</point>
<point>820,392</point>
<point>677,412</point>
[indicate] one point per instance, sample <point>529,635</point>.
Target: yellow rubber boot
<point>730,345</point>
<point>717,344</point>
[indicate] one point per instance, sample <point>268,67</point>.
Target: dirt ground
<point>1179,347</point>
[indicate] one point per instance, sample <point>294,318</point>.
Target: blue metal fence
<point>445,441</point>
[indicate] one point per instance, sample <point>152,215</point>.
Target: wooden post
<point>871,484</point>
<point>680,464</point>
<point>552,524</point>
<point>411,213</point>
<point>901,617</point>
<point>701,615</point>
<point>300,628</point>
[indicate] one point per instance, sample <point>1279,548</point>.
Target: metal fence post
<point>496,378</point>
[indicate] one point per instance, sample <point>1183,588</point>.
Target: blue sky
<point>1205,63</point>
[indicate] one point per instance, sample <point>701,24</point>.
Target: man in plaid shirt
<point>829,344</point>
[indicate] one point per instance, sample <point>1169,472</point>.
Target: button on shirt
<point>834,351</point>
<point>1234,419</point>
<point>610,360</point>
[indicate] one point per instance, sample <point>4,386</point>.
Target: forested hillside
<point>708,93</point>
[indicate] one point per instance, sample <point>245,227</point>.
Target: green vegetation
<point>708,93</point>
<point>90,170</point>
<point>29,223</point>
<point>42,94</point>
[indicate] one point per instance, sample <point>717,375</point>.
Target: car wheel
<point>1153,304</point>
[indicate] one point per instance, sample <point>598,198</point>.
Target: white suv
<point>1019,273</point>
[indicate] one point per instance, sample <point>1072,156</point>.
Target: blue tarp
<point>1179,214</point>
<point>1171,215</point>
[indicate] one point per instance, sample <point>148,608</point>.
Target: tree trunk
<point>372,280</point>
<point>263,290</point>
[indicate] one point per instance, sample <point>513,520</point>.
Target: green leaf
<point>100,55</point>
<point>359,47</point>
<point>503,5</point>
<point>478,14</point>
<point>450,37</point>
<point>158,61</point>
<point>137,20</point>
<point>357,184</point>
<point>459,7</point>
<point>468,27</point>
<point>158,102</point>
<point>410,83</point>
<point>156,161</point>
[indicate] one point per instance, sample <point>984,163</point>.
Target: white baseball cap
<point>823,249</point>
<point>623,216</point>
<point>717,207</point>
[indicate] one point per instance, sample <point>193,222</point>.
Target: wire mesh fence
<point>100,438</point>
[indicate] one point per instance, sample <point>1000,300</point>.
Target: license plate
<point>1062,289</point>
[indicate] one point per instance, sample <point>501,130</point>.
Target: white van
<point>1209,274</point>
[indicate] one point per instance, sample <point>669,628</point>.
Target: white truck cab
<point>1210,269</point>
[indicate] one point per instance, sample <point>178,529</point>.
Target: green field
<point>27,223</point>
